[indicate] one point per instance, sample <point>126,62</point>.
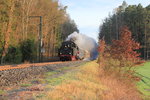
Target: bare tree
<point>8,31</point>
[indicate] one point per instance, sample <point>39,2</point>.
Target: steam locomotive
<point>69,51</point>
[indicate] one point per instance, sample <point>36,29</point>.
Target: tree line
<point>136,17</point>
<point>20,24</point>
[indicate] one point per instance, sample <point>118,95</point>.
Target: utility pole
<point>40,36</point>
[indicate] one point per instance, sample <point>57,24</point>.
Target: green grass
<point>57,71</point>
<point>40,95</point>
<point>26,85</point>
<point>2,92</point>
<point>144,85</point>
<point>63,68</point>
<point>58,80</point>
<point>51,73</point>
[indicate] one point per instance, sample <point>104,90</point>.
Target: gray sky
<point>88,14</point>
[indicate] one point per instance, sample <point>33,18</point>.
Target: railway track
<point>14,74</point>
<point>20,66</point>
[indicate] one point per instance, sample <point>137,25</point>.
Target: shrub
<point>101,49</point>
<point>125,48</point>
<point>0,53</point>
<point>121,56</point>
<point>28,50</point>
<point>14,55</point>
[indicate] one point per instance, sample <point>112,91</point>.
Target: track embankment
<point>15,74</point>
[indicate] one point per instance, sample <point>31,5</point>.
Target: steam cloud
<point>85,43</point>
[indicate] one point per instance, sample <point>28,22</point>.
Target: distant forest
<point>136,18</point>
<point>28,27</point>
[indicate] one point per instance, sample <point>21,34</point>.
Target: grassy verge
<point>82,84</point>
<point>144,85</point>
<point>86,83</point>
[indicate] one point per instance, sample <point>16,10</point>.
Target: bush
<point>0,53</point>
<point>125,49</point>
<point>120,56</point>
<point>14,55</point>
<point>28,50</point>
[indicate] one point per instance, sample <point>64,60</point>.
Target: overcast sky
<point>88,14</point>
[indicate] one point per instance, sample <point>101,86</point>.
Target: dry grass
<point>89,84</point>
<point>120,81</point>
<point>84,86</point>
<point>119,89</point>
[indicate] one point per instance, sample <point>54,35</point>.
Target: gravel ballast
<point>15,76</point>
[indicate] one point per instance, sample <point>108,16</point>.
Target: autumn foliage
<point>125,48</point>
<point>101,49</point>
<point>116,63</point>
<point>120,56</point>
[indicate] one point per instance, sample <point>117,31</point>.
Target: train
<point>69,51</point>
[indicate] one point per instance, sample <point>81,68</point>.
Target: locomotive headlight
<point>70,53</point>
